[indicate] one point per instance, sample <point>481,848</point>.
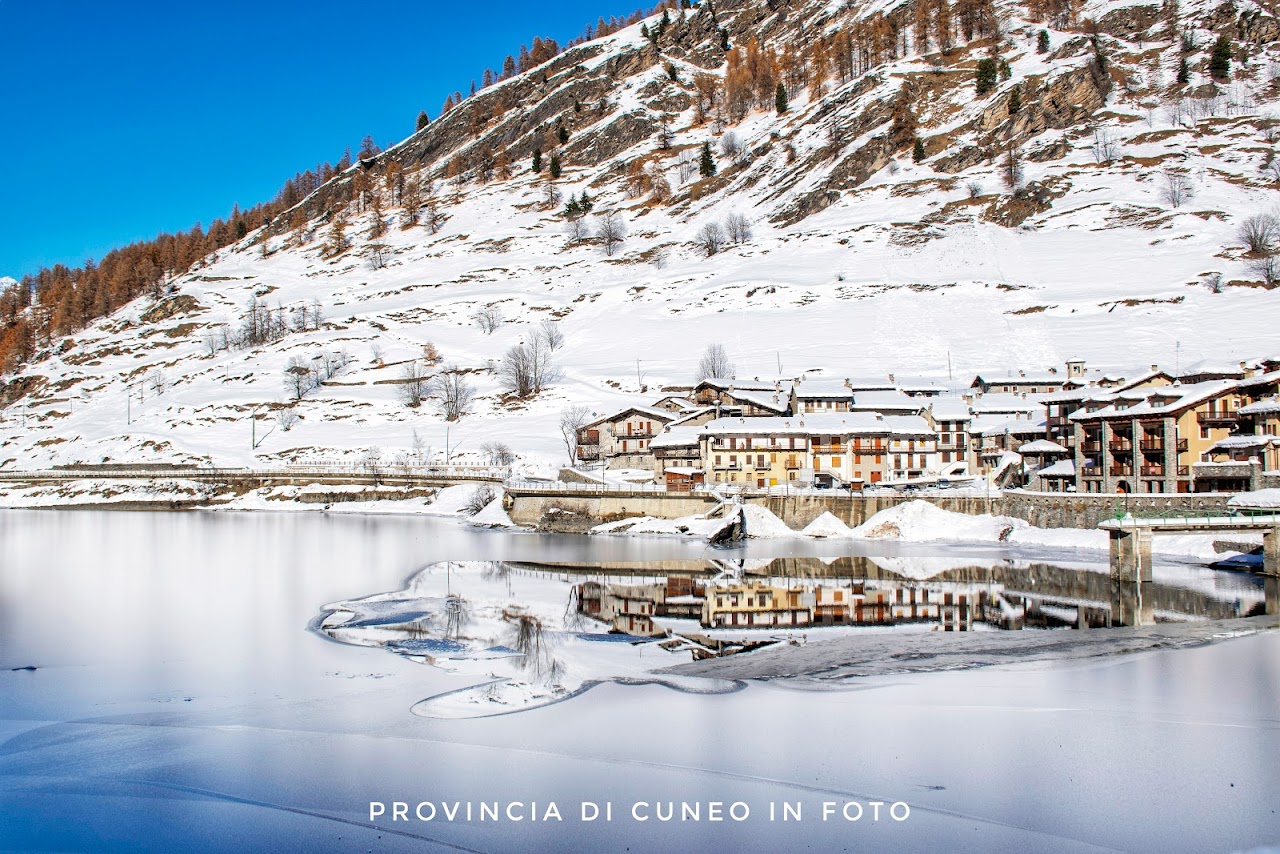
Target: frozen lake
<point>179,702</point>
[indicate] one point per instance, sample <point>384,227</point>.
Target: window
<point>835,462</point>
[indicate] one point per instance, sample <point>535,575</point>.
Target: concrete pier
<point>1129,607</point>
<point>1271,552</point>
<point>1131,554</point>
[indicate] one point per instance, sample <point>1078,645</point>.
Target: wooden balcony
<point>588,452</point>
<point>1122,471</point>
<point>1094,447</point>
<point>1217,417</point>
<point>828,449</point>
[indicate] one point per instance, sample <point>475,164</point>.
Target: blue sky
<point>119,120</point>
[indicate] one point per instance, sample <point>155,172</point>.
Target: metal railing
<point>452,472</point>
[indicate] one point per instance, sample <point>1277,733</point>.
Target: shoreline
<point>834,663</point>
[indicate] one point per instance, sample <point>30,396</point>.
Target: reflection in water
<point>538,633</point>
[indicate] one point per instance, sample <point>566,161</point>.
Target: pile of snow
<point>1262,499</point>
<point>920,521</point>
<point>492,516</point>
<point>825,526</point>
<point>763,524</point>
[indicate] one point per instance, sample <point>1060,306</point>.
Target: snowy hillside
<point>1118,244</point>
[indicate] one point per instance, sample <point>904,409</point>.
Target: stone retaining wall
<point>571,511</point>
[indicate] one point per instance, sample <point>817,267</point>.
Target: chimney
<point>1155,368</point>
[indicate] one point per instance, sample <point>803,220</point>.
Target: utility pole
<point>253,428</point>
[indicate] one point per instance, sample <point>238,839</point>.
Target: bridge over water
<point>1131,539</point>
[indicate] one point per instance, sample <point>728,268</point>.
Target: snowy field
<point>179,701</point>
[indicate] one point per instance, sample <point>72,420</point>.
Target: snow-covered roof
<point>908,425</point>
<point>686,470</point>
<point>762,399</point>
<point>1260,379</point>
<point>823,389</point>
<point>744,385</point>
<point>647,411</point>
<point>950,409</point>
<point>1068,395</point>
<point>1062,468</point>
<point>682,404</point>
<point>871,384</point>
<point>813,424</point>
<point>676,437</point>
<point>886,401</point>
<point>1210,367</point>
<point>1260,499</point>
<point>1042,446</point>
<point>1261,407</point>
<point>986,404</point>
<point>1159,400</point>
<point>1234,442</point>
<point>1005,377</point>
<point>1011,426</point>
<point>690,415</point>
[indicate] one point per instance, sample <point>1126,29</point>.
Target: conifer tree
<point>985,76</point>
<point>780,99</point>
<point>1015,100</point>
<point>1184,71</point>
<point>1042,42</point>
<point>562,133</point>
<point>1220,59</point>
<point>555,166</point>
<point>707,164</point>
<point>368,148</point>
<point>917,151</point>
<point>423,120</point>
<point>537,159</point>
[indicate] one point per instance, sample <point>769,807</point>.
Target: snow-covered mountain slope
<point>861,262</point>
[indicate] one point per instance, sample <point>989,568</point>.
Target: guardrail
<point>460,473</point>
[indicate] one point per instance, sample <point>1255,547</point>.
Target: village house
<point>950,419</point>
<point>913,449</point>
<point>1144,440</point>
<point>677,447</point>
<point>746,398</point>
<point>1245,459</point>
<point>759,452</point>
<point>821,396</point>
<point>1004,382</point>
<point>621,439</point>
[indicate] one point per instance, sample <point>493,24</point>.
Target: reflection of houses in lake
<point>766,604</point>
<point>761,605</point>
<point>630,608</point>
<point>787,593</point>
